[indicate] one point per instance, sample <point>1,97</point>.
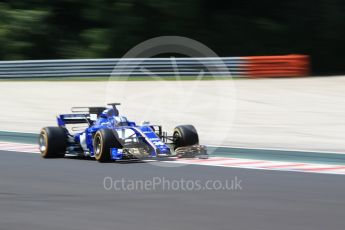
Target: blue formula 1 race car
<point>100,132</point>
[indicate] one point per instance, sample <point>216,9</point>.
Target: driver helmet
<point>121,121</point>
<point>110,112</point>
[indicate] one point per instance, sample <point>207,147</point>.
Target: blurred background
<point>50,29</point>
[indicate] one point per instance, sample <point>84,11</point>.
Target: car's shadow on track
<point>134,161</point>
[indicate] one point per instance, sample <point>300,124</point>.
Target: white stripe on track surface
<point>218,161</point>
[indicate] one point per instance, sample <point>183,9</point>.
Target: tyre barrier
<point>251,66</point>
<point>278,66</point>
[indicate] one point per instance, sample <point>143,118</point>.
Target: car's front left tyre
<point>52,142</point>
<point>185,135</point>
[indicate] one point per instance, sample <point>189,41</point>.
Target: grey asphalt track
<point>69,194</point>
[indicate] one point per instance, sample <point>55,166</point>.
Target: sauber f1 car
<point>100,132</point>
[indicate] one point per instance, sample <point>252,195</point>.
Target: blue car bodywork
<point>138,140</point>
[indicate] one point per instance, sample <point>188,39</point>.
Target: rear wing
<point>66,119</point>
<point>88,110</point>
<point>94,110</point>
<point>84,115</point>
<point>81,115</point>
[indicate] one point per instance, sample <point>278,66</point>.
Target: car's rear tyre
<point>103,141</point>
<point>185,135</point>
<point>52,142</point>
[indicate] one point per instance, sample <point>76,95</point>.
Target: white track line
<point>219,161</point>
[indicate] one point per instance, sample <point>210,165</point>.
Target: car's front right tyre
<point>103,141</point>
